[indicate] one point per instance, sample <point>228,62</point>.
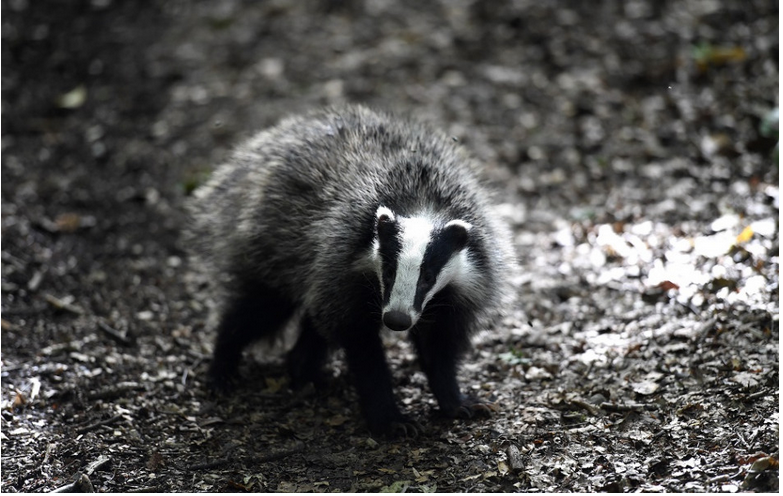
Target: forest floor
<point>633,144</point>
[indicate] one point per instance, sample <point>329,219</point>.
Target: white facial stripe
<point>374,259</point>
<point>459,270</point>
<point>415,234</point>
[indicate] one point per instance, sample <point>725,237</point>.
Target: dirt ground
<point>634,147</point>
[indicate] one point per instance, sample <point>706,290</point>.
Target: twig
<point>62,305</point>
<point>115,334</point>
<point>100,462</point>
<point>112,391</point>
<point>757,395</point>
<point>148,489</point>
<point>628,407</point>
<point>80,485</point>
<point>99,424</point>
<point>585,405</point>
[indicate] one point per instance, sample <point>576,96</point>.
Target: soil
<point>634,145</point>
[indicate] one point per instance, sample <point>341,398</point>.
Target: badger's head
<point>416,257</point>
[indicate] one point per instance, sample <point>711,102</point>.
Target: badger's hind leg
<point>252,313</point>
<point>306,359</point>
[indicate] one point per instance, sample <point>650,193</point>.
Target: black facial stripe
<point>445,243</point>
<point>389,250</point>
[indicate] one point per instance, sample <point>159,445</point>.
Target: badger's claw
<point>405,428</point>
<point>394,426</point>
<point>471,407</point>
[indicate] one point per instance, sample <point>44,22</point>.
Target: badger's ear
<point>385,223</point>
<point>456,232</point>
<point>383,214</point>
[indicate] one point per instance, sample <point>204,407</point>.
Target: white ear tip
<point>456,222</point>
<point>384,212</point>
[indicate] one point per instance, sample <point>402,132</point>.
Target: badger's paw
<point>219,381</point>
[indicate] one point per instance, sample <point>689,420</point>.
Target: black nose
<point>396,320</point>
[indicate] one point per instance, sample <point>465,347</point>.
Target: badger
<point>354,221</point>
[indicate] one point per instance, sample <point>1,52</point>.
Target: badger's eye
<point>428,277</point>
<point>387,272</point>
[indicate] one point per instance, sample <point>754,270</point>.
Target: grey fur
<point>294,208</point>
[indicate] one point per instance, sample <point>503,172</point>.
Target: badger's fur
<point>360,221</point>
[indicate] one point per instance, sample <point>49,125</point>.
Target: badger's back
<point>295,205</point>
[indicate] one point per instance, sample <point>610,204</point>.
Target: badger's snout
<point>397,320</point>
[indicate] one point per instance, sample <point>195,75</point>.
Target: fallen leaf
<point>396,487</point>
<point>273,385</point>
<point>706,55</point>
<point>428,489</point>
<point>761,464</point>
<point>745,378</point>
<point>336,420</point>
<point>745,235</point>
<point>74,98</point>
<point>648,385</point>
<point>645,387</point>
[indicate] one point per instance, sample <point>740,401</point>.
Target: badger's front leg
<point>440,344</point>
<point>367,363</point>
